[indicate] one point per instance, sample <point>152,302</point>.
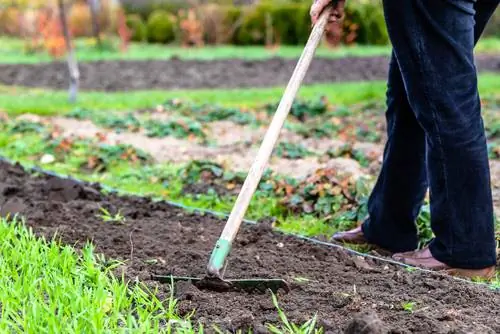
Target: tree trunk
<point>94,12</point>
<point>74,75</point>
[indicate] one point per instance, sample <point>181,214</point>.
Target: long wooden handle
<point>255,174</point>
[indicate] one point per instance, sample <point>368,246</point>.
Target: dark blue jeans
<point>436,137</point>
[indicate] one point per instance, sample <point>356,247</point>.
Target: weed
<point>107,217</point>
<point>308,327</point>
<point>409,306</point>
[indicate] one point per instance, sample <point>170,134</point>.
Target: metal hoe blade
<point>224,285</point>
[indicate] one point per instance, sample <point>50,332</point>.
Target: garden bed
<point>189,74</point>
<point>158,238</point>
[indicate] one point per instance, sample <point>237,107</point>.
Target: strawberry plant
<point>303,110</point>
<point>317,129</point>
<point>292,151</point>
<point>104,155</point>
<point>177,127</point>
<point>347,151</point>
<point>117,122</point>
<point>25,126</point>
<point>328,195</point>
<point>210,113</point>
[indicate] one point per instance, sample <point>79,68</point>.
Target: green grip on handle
<point>218,257</point>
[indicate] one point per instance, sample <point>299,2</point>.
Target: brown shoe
<point>354,236</point>
<point>423,259</point>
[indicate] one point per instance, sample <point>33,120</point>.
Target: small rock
<point>47,159</point>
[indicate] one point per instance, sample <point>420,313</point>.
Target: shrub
<point>253,28</point>
<point>137,28</point>
<point>291,23</point>
<point>230,25</point>
<point>161,27</point>
<point>370,22</point>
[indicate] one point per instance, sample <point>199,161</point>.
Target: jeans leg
<point>400,188</point>
<point>433,42</point>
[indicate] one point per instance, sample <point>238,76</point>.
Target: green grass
<point>19,100</point>
<point>12,51</point>
<point>47,287</point>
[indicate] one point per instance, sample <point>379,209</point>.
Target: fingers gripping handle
<point>254,176</point>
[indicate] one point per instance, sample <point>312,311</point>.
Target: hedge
<point>290,23</point>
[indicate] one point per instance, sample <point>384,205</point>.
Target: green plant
<point>107,217</point>
<point>292,151</point>
<point>160,27</point>
<point>138,28</point>
<point>303,109</point>
<point>177,127</point>
<point>409,306</point>
<point>309,327</point>
<point>120,122</point>
<point>47,286</point>
<point>425,234</point>
<point>24,126</point>
<point>253,29</point>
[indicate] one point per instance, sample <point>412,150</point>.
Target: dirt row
<point>189,74</point>
<point>157,239</point>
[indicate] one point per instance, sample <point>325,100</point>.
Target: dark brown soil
<point>348,294</point>
<point>174,74</point>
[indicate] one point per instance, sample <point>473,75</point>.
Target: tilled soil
<point>348,294</point>
<point>190,74</point>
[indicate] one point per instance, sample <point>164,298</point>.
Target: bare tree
<point>74,74</point>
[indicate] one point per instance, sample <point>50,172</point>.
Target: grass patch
<point>46,287</point>
<point>19,100</point>
<point>12,51</point>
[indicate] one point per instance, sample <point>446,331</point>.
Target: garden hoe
<point>214,278</point>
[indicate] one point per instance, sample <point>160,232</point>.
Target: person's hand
<point>337,13</point>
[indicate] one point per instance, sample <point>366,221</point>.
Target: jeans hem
<point>474,264</point>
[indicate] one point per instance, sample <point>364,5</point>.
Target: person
<point>436,139</point>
